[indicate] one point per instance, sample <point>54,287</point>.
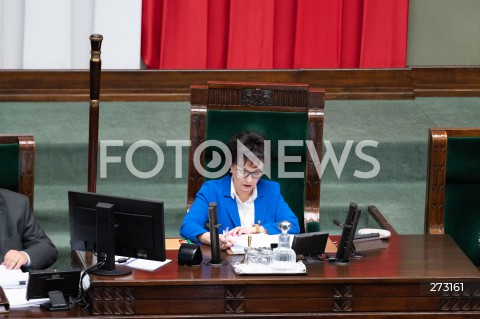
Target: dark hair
<point>252,140</point>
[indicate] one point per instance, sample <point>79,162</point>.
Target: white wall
<point>444,32</point>
<point>54,34</point>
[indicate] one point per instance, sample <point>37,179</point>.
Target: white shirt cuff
<point>29,263</point>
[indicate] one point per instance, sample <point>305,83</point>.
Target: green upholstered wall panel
<point>462,217</point>
<point>463,159</point>
<point>462,212</point>
<point>9,166</point>
<point>274,126</point>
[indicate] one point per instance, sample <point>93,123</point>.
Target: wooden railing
<point>146,85</point>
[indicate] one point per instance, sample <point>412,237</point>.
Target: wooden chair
<point>453,187</point>
<point>17,158</point>
<point>278,111</point>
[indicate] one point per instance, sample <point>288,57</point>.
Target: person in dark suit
<point>22,241</point>
<point>246,204</point>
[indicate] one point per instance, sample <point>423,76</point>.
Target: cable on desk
<point>81,298</point>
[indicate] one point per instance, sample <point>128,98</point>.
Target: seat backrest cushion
<point>462,191</point>
<point>222,125</point>
<point>9,167</point>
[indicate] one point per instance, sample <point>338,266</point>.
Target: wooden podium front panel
<point>236,299</point>
<point>239,299</point>
<point>180,300</point>
<point>188,306</point>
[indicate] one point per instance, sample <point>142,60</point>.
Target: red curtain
<point>274,34</point>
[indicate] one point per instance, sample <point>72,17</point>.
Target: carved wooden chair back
<point>453,187</point>
<point>17,158</point>
<point>278,111</point>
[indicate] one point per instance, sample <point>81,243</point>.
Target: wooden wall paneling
<point>447,81</point>
<point>168,85</point>
<point>361,84</point>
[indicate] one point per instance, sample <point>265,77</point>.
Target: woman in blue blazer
<point>246,204</point>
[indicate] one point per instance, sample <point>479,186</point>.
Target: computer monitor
<point>113,225</point>
<point>310,245</point>
<point>57,284</point>
<point>348,233</point>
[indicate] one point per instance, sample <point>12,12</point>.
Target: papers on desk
<point>143,264</point>
<point>12,278</point>
<point>258,240</point>
<point>18,298</point>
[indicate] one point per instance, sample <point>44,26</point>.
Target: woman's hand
<point>225,241</point>
<point>242,230</point>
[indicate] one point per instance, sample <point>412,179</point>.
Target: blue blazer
<point>270,208</point>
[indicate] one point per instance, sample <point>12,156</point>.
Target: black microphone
<point>337,222</point>
<point>214,240</point>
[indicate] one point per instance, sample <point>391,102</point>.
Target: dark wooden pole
<point>95,71</point>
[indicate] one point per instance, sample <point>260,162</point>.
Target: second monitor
<point>345,246</point>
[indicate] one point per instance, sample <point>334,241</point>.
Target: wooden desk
<point>394,282</point>
<point>391,282</point>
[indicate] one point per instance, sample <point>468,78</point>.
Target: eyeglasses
<point>243,173</point>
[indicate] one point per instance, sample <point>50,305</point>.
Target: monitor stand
<point>106,243</point>
<point>117,270</point>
